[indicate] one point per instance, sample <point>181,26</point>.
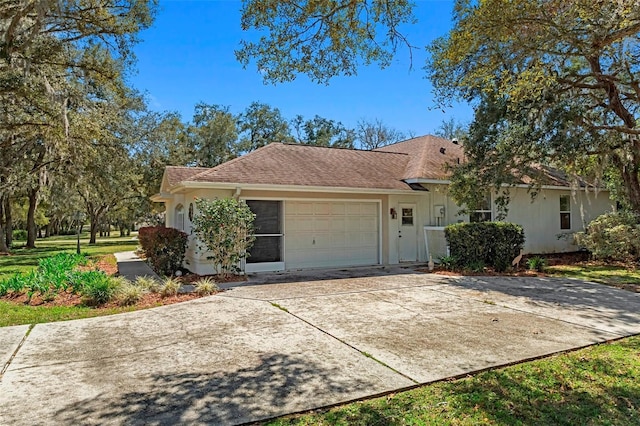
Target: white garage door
<point>331,234</point>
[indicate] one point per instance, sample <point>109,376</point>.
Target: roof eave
<point>160,197</point>
<point>289,188</point>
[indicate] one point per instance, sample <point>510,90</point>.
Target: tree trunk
<point>31,218</point>
<point>3,243</point>
<point>629,174</point>
<point>8,223</point>
<point>93,229</point>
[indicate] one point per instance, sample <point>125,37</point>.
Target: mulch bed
<point>556,259</point>
<point>108,265</point>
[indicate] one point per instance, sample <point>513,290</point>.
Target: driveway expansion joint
<point>363,353</point>
<point>13,355</point>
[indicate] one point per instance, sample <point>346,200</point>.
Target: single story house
<point>330,207</point>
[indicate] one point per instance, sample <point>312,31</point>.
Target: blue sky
<point>188,57</point>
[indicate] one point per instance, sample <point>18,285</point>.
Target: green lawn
<point>23,260</point>
<point>13,314</point>
<point>594,386</point>
<point>614,275</point>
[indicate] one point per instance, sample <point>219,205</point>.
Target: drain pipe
<point>236,195</point>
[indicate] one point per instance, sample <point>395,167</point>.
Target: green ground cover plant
<point>593,386</point>
<point>537,263</point>
<point>58,273</point>
<point>24,260</point>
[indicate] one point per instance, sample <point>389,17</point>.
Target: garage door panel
<point>331,234</point>
<point>322,224</point>
<point>322,208</point>
<point>338,224</point>
<point>352,209</point>
<point>369,209</point>
<point>301,208</point>
<point>367,223</point>
<point>338,209</point>
<point>369,239</point>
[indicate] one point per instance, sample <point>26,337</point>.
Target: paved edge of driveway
<point>16,335</point>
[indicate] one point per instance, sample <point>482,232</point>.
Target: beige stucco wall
<point>540,218</point>
<point>196,261</point>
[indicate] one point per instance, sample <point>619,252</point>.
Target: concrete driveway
<point>259,351</point>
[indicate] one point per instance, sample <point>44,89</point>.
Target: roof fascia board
<point>160,197</point>
<point>296,188</point>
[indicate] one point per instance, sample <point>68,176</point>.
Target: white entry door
<point>407,234</point>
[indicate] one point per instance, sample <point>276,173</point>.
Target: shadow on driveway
<point>571,299</point>
<point>248,394</point>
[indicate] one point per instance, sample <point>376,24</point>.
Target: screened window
<point>268,231</point>
<point>179,217</point>
<point>565,212</point>
<point>483,213</point>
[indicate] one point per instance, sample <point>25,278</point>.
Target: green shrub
<point>447,262</point>
<point>537,263</point>
<point>164,248</point>
<point>614,236</point>
<point>170,287</point>
<point>19,235</point>
<point>148,284</point>
<point>494,244</point>
<point>96,287</point>
<point>129,293</point>
<point>206,286</point>
<point>224,228</point>
<point>475,266</point>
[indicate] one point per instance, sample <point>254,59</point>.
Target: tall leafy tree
<point>555,82</point>
<point>54,58</point>
<point>261,124</point>
<point>215,134</point>
<point>159,140</point>
<point>322,38</point>
<point>322,131</point>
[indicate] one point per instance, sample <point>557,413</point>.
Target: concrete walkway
<point>130,266</point>
<point>255,352</point>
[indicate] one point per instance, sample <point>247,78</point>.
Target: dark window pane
<point>407,217</point>
<point>565,220</point>
<point>267,216</point>
<point>480,217</point>
<point>565,206</point>
<point>266,249</point>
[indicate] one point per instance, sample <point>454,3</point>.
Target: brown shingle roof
<point>384,168</point>
<point>284,164</point>
<point>427,159</point>
<point>177,174</point>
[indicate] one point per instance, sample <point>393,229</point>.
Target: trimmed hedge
<point>164,247</point>
<point>493,244</point>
